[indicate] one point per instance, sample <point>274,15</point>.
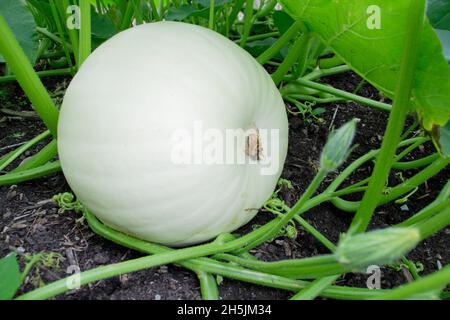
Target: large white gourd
<point>125,105</point>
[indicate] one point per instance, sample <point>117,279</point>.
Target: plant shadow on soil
<point>29,221</point>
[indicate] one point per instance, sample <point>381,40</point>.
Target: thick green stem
<point>40,74</point>
<point>42,157</point>
<point>396,120</point>
<point>315,288</point>
<point>293,98</point>
<point>248,21</point>
<point>248,241</point>
<point>72,32</point>
<point>280,43</point>
<point>138,14</point>
<point>267,8</point>
<point>29,265</point>
<point>319,73</point>
<point>60,31</point>
<point>128,16</point>
<point>214,267</point>
<point>359,162</point>
<point>298,52</point>
<point>425,213</point>
<point>234,13</point>
<point>52,54</point>
<point>343,94</point>
<point>108,271</point>
<point>27,78</point>
<point>332,62</point>
<point>305,268</point>
<point>316,234</point>
<point>397,191</point>
<point>434,224</point>
<point>155,13</point>
<point>441,202</point>
<point>208,286</point>
<point>85,31</point>
<point>211,14</point>
<point>259,36</point>
<point>409,149</point>
<point>414,164</point>
<point>4,162</point>
<point>53,37</point>
<point>17,177</point>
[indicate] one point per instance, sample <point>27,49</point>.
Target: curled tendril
<point>278,207</point>
<point>291,231</point>
<point>67,202</point>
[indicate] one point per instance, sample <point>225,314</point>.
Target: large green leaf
<point>217,3</point>
<point>257,47</point>
<point>191,10</point>
<point>375,53</point>
<point>22,24</point>
<point>9,277</point>
<point>444,35</point>
<point>43,14</point>
<point>102,25</point>
<point>185,11</point>
<point>438,11</point>
<point>282,21</point>
<point>105,3</point>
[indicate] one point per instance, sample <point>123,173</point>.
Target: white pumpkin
<point>123,112</point>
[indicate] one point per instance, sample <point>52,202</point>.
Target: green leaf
<point>282,21</point>
<point>444,140</point>
<point>105,3</point>
<point>102,26</point>
<point>9,277</point>
<point>217,3</point>
<point>318,111</point>
<point>22,24</point>
<point>185,11</point>
<point>444,36</point>
<point>438,12</point>
<point>375,53</point>
<point>255,48</point>
<point>43,14</point>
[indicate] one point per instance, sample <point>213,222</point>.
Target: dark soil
<point>30,222</point>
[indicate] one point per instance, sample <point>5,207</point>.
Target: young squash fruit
<point>144,126</point>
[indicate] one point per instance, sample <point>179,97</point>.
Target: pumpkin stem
<point>253,148</point>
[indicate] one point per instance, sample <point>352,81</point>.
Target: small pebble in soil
<point>100,258</point>
<point>7,214</point>
<point>404,207</point>
<point>123,279</point>
<point>11,195</point>
<point>172,286</point>
<point>163,269</point>
<point>157,297</point>
<point>20,250</point>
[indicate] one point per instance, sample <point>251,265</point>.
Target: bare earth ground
<point>30,223</point>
